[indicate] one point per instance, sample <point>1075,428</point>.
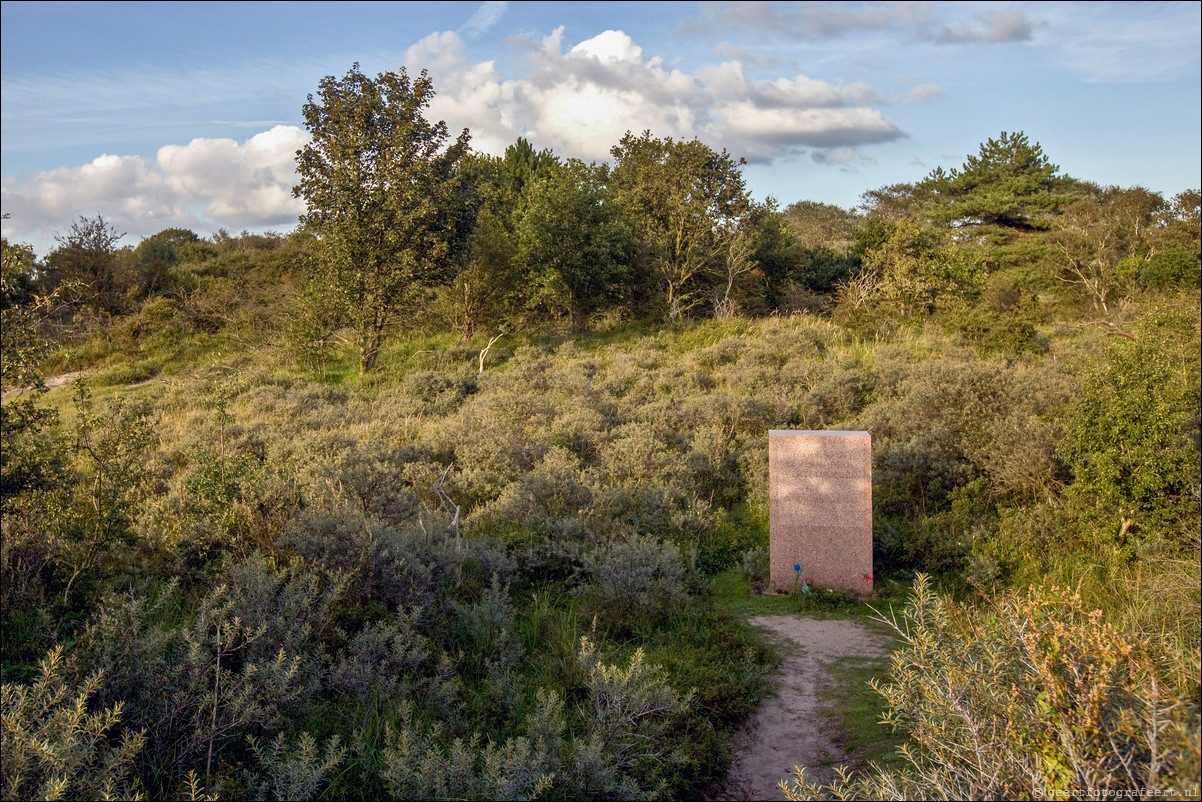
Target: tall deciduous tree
<point>489,288</point>
<point>686,203</point>
<point>573,247</point>
<point>385,196</point>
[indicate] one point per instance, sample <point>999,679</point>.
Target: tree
<point>1134,443</point>
<point>520,165</point>
<point>1009,184</point>
<point>385,197</point>
<point>817,224</point>
<point>26,461</point>
<point>572,246</point>
<point>88,254</point>
<point>686,202</point>
<point>156,255</point>
<point>489,286</point>
<point>482,290</point>
<point>1101,244</point>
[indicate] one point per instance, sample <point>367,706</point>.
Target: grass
<point>858,710</point>
<point>733,592</point>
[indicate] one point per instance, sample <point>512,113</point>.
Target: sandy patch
<point>62,379</point>
<point>51,382</point>
<point>793,728</point>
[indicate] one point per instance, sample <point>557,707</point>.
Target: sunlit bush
<point>1030,695</point>
<point>54,748</point>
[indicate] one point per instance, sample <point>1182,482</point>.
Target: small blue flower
<point>797,567</point>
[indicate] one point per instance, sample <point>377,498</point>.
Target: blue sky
<point>188,114</point>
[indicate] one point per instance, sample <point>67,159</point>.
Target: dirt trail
<point>793,728</point>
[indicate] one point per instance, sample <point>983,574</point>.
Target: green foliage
<point>1009,184</point>
<point>417,766</point>
<point>383,192</point>
<point>1028,695</point>
<point>638,575</point>
<point>379,584</point>
<point>757,566</point>
<point>27,459</point>
<point>630,710</point>
<point>822,225</point>
<point>686,203</point>
<point>1101,244</point>
<point>237,666</point>
<point>915,269</point>
<point>92,518</point>
<point>1171,269</point>
<point>156,257</point>
<point>1133,444</point>
<point>572,248</point>
<point>1000,334</point>
<point>88,254</point>
<point>54,748</point>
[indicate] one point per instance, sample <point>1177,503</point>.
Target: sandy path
<point>50,381</point>
<point>792,728</point>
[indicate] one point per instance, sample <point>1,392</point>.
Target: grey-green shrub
<point>224,673</point>
<point>390,662</point>
<point>417,765</point>
<point>291,769</point>
<point>53,748</point>
<point>638,573</point>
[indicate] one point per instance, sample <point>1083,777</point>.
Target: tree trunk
<point>369,349</point>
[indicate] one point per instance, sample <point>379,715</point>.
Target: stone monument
<point>820,509</point>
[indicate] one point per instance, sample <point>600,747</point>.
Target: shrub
<point>384,566</point>
<point>636,574</point>
<point>756,567</point>
<point>551,499</point>
<point>840,391</point>
<point>441,392</point>
<point>1028,696</point>
<point>1175,267</point>
<point>92,517</point>
<point>622,754</point>
<point>291,770</point>
<point>1133,443</point>
<point>390,662</point>
<point>53,748</point>
<point>369,477</point>
<point>417,766</point>
<point>929,419</point>
<point>241,665</point>
<point>1000,334</point>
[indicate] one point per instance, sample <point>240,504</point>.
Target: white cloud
<point>920,93</point>
<point>243,185</point>
<point>580,102</point>
<point>817,22</point>
<point>467,95</point>
<point>206,184</point>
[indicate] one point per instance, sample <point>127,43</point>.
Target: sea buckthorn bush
<point>1029,695</point>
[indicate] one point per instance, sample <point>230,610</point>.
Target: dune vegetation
<point>446,511</point>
